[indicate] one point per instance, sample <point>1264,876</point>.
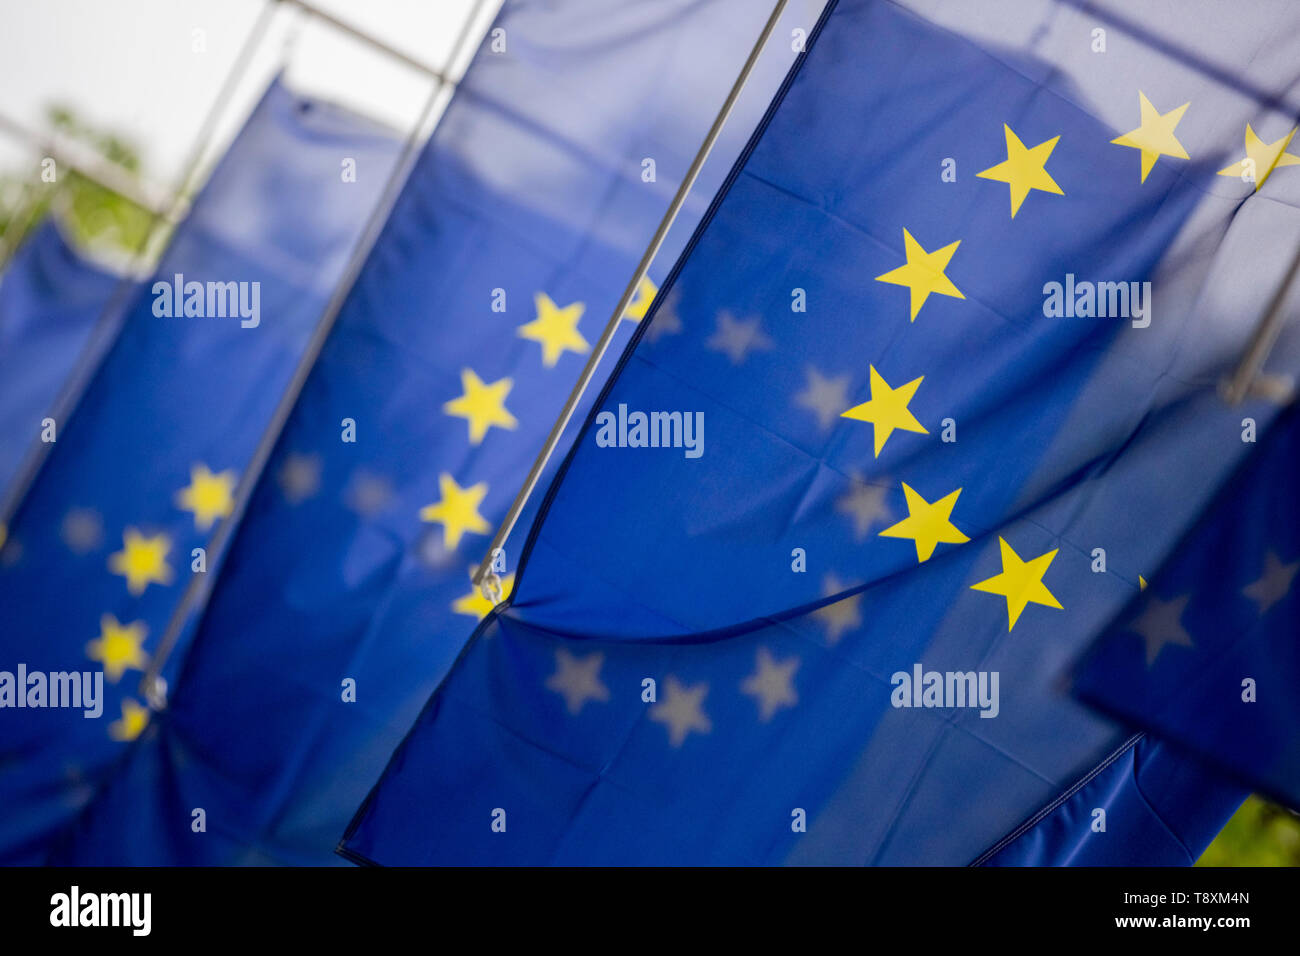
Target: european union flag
<point>808,581</point>
<point>135,481</point>
<point>50,299</point>
<point>346,593</point>
<point>1207,655</point>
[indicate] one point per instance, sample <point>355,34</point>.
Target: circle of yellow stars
<point>924,273</point>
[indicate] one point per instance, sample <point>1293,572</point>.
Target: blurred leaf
<point>94,215</point>
<point>101,216</point>
<point>1259,834</point>
<point>61,118</point>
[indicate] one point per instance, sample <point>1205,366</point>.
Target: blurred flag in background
<point>1209,653</point>
<point>50,299</point>
<point>346,593</point>
<point>102,546</point>
<point>938,451</point>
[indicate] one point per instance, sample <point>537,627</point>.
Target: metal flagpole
<point>196,592</point>
<point>392,52</point>
<point>179,205</point>
<point>484,578</point>
<point>110,319</point>
<point>87,164</point>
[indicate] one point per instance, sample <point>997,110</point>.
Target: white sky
<point>130,67</point>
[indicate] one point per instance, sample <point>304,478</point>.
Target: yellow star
<point>482,405</point>
<point>1262,158</point>
<point>457,510</point>
<point>209,496</point>
<point>927,524</point>
<point>134,720</point>
<point>887,409</point>
<point>1020,582</point>
<point>924,272</point>
<point>640,304</point>
<point>555,328</point>
<point>476,605</point>
<point>1142,583</point>
<point>1155,137</point>
<point>1024,169</point>
<point>142,561</point>
<point>118,647</point>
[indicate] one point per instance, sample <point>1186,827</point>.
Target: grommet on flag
<point>491,588</point>
<point>154,690</point>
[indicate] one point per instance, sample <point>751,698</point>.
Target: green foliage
<point>108,145</point>
<point>94,215</point>
<point>1259,834</point>
<point>99,216</point>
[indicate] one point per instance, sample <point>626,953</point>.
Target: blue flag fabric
<point>1208,654</point>
<point>346,593</point>
<point>50,299</point>
<point>102,546</point>
<point>1150,804</point>
<point>924,481</point>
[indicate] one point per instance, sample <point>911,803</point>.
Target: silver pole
<point>180,198</point>
<point>199,587</point>
<point>483,576</point>
<point>85,163</point>
<point>312,10</point>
